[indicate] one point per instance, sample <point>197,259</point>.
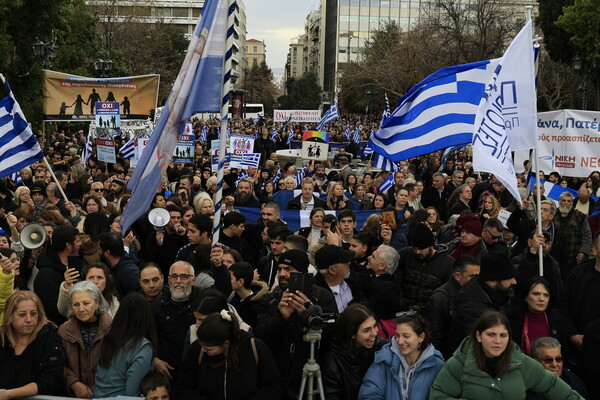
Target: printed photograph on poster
<point>314,150</point>
<point>71,97</point>
<point>214,155</point>
<point>240,145</point>
<point>108,126</point>
<point>184,152</point>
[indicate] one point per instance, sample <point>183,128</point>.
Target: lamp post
<point>585,68</point>
<point>103,66</point>
<point>45,51</point>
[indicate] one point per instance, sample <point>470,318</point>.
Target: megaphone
<point>33,235</point>
<point>159,217</point>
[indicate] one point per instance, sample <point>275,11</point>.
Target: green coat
<point>460,378</point>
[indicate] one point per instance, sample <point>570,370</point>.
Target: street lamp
<point>585,68</point>
<point>103,66</point>
<point>45,51</point>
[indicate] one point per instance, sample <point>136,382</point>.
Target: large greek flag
<point>128,149</point>
<point>330,115</point>
<point>437,113</point>
<point>196,89</point>
<point>18,146</point>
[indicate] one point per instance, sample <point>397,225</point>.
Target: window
<point>255,49</point>
<point>254,62</point>
<point>180,12</point>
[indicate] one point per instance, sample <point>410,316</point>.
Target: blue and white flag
<point>551,190</point>
<point>386,184</point>
<point>347,132</point>
<point>18,146</point>
<point>256,120</point>
<point>274,134</point>
<point>196,89</point>
<point>367,152</point>
<point>290,136</point>
<point>356,138</point>
<point>241,175</point>
<point>507,110</point>
<point>228,133</point>
<point>250,160</point>
<point>384,163</point>
<point>204,134</point>
<point>446,154</point>
<point>386,111</point>
<point>300,176</point>
<point>438,112</point>
<point>16,177</point>
<point>86,153</point>
<point>128,149</point>
<point>277,176</point>
<point>329,116</point>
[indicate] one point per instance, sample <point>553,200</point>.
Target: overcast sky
<point>276,22</point>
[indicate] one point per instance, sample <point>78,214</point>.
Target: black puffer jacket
<point>420,278</point>
<point>344,370</point>
<point>440,311</point>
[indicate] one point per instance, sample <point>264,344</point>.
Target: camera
<point>314,318</point>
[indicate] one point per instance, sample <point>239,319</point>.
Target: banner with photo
<point>569,142</point>
<point>240,145</point>
<point>184,152</point>
<point>71,97</point>
<point>108,125</point>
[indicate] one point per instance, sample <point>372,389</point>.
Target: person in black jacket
<point>279,325</point>
<point>437,196</point>
<point>52,264</point>
<point>306,200</point>
<point>264,145</point>
<point>440,309</point>
<point>31,355</point>
<point>123,267</point>
<point>228,363</point>
<point>352,352</point>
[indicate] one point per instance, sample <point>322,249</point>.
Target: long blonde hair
<point>332,200</point>
<point>7,331</point>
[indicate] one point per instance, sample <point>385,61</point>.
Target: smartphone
<point>302,282</point>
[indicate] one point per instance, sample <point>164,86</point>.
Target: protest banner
<point>71,97</point>
<point>108,125</point>
<point>296,116</point>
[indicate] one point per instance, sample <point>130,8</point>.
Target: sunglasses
<point>98,190</point>
<point>548,360</point>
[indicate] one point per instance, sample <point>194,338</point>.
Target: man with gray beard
<point>174,315</point>
<point>576,238</point>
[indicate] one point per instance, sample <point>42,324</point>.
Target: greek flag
<point>356,138</point>
<point>347,132</point>
<point>447,153</point>
<point>277,176</point>
<point>438,112</point>
<point>241,175</point>
<point>386,111</point>
<point>250,160</point>
<point>300,176</point>
<point>330,115</point>
<point>203,134</point>
<point>386,184</point>
<point>228,133</point>
<point>16,177</point>
<point>290,136</point>
<point>86,153</point>
<point>18,146</point>
<point>274,134</point>
<point>384,163</point>
<point>128,149</point>
<point>256,120</point>
<point>196,89</point>
<point>367,152</point>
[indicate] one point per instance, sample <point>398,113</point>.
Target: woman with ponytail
<point>227,363</point>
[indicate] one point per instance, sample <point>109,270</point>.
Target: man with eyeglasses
<point>174,315</point>
<point>547,351</point>
<point>492,236</point>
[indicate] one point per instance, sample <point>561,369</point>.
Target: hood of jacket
<point>260,289</point>
<point>391,356</point>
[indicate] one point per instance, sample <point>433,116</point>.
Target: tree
<point>556,40</point>
<point>259,86</point>
<point>557,84</point>
<point>303,93</point>
<point>23,22</point>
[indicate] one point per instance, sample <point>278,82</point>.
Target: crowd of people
<point>436,295</point>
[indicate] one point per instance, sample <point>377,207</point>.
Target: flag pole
<point>224,117</point>
<point>55,180</point>
<point>528,15</point>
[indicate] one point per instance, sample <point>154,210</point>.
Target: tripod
<point>311,369</point>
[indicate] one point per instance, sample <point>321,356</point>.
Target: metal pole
<point>224,117</point>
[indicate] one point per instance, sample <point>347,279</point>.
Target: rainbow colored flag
<point>324,136</point>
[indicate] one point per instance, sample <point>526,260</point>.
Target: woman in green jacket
<point>488,365</point>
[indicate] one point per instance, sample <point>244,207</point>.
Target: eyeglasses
<point>98,190</point>
<point>492,236</point>
<point>183,277</point>
<point>548,360</point>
